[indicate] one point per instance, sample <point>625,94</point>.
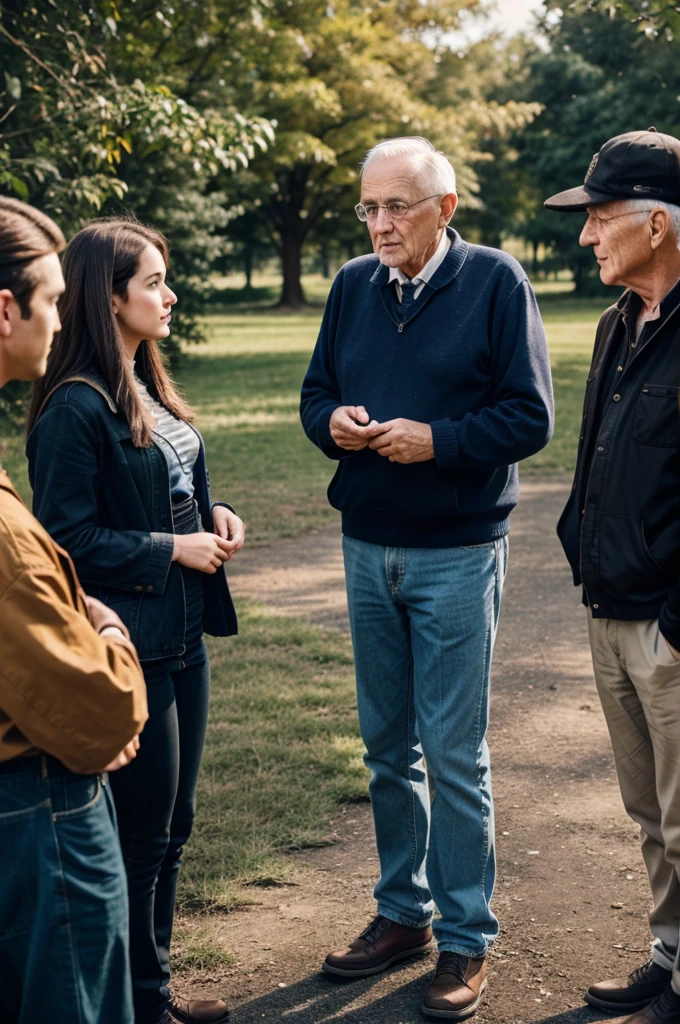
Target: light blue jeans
<point>423,626</point>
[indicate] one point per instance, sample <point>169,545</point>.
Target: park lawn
<point>245,383</point>
<point>283,743</point>
<point>283,749</point>
<point>245,386</point>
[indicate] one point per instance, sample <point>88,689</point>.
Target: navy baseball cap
<point>637,165</point>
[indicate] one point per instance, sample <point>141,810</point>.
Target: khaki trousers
<point>638,679</point>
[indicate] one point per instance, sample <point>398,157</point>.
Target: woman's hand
<point>229,527</point>
<point>203,551</point>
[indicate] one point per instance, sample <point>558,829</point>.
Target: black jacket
<point>108,503</point>
<point>621,527</point>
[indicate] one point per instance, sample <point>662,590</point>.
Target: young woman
<point>120,480</point>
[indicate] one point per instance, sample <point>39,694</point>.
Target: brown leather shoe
<point>664,1010</point>
<point>198,1011</point>
<point>457,986</point>
<point>624,995</point>
<point>379,946</point>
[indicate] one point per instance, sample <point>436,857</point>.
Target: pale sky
<point>510,16</point>
<point>513,15</point>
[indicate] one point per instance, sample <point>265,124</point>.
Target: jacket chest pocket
<point>657,416</point>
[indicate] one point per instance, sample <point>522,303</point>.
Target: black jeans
<point>155,803</point>
<point>155,797</point>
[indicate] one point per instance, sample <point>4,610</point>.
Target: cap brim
<point>576,200</point>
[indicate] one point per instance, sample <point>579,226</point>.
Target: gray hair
<point>642,207</point>
<point>437,168</point>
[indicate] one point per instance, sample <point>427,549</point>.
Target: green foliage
<point>600,77</point>
<point>93,122</point>
<point>337,78</point>
<point>655,18</point>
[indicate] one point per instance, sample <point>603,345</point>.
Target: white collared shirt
<point>428,270</point>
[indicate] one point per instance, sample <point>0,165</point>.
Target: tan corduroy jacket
<point>64,690</point>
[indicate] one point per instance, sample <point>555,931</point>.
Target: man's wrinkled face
<point>620,241</point>
<point>410,241</point>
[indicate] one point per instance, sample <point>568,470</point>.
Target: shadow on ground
<point>320,998</point>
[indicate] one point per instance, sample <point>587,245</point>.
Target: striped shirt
<point>177,440</point>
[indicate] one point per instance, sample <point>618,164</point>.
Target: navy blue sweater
<point>470,360</point>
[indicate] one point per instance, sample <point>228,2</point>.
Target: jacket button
<point>139,588</point>
<point>616,398</point>
<point>596,606</point>
<point>149,587</point>
<point>600,448</point>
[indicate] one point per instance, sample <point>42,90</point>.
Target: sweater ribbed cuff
<point>445,443</point>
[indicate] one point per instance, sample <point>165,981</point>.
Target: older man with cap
<point>621,527</point>
<point>429,381</point>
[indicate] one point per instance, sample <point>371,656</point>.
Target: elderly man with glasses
<point>621,527</point>
<point>429,382</point>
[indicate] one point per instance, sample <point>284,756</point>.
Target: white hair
<point>642,206</point>
<point>437,169</point>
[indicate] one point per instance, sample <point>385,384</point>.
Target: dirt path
<point>571,894</point>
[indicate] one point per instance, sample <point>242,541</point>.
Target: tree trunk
<point>248,266</point>
<point>578,273</point>
<point>292,295</point>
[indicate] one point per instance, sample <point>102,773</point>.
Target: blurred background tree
<point>94,121</point>
<point>238,126</point>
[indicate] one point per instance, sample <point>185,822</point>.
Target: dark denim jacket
<point>108,503</point>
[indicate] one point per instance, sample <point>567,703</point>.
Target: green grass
<point>283,749</point>
<point>245,384</point>
<point>570,328</point>
<point>283,743</point>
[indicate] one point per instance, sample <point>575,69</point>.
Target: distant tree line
<point>237,126</point>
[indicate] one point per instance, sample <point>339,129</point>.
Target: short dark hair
<point>26,235</point>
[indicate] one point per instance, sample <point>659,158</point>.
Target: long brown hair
<point>26,235</point>
<point>98,264</point>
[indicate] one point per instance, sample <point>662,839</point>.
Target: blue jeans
<point>423,628</point>
<point>63,899</point>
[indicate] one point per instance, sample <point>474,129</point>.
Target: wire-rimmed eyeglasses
<point>395,210</point>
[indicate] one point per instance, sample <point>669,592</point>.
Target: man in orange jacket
<point>72,704</point>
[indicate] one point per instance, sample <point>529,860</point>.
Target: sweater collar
<point>445,273</point>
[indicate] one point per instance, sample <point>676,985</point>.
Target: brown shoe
<point>624,995</point>
<point>382,944</point>
<point>457,986</point>
<point>664,1010</point>
<point>198,1011</point>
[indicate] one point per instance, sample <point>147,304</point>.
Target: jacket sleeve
<point>72,693</point>
<point>64,462</point>
<point>520,420</point>
<point>320,388</point>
